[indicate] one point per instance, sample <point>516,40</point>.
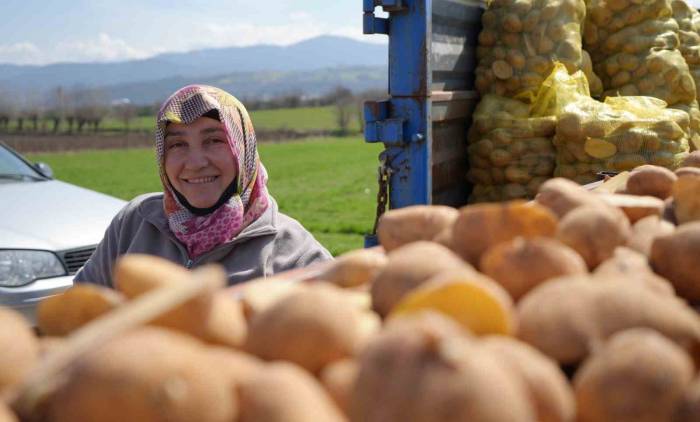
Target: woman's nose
<point>196,159</point>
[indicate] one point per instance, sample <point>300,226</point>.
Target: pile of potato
<point>477,304</point>
<point>618,135</point>
<point>577,306</point>
<point>521,40</point>
<point>510,154</point>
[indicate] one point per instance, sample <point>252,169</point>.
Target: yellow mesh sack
<point>510,153</point>
<point>522,39</point>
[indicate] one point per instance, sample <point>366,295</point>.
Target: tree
<point>344,105</point>
<point>125,111</point>
<point>57,105</point>
<point>90,107</point>
<point>7,110</point>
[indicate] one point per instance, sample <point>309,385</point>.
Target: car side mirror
<point>44,169</point>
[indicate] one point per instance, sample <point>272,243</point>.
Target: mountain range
<point>311,67</point>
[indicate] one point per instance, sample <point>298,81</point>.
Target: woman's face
<point>198,160</point>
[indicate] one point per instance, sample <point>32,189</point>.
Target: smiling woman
<point>215,206</point>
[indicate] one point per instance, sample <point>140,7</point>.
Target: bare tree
<point>344,106</point>
<point>33,108</point>
<point>56,107</point>
<point>90,107</point>
<point>125,111</point>
<point>7,110</point>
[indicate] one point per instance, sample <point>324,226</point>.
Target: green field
<point>329,185</point>
<point>300,119</point>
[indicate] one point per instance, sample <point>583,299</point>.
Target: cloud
<point>107,48</point>
<point>20,53</point>
<point>103,49</point>
<point>301,26</point>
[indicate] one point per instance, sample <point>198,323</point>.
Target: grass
<point>300,119</point>
<point>329,185</point>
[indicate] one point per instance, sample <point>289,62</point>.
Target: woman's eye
<point>174,145</point>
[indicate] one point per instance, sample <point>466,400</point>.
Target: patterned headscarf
<point>201,234</point>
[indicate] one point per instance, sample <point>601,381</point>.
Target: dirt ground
<point>33,143</point>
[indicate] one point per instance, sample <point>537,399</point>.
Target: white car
<point>48,229</point>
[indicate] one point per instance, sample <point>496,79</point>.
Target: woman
<point>214,207</point>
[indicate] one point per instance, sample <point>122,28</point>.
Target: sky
<point>48,31</point>
<point>40,32</point>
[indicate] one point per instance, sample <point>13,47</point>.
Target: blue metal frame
<point>422,83</point>
<point>402,123</point>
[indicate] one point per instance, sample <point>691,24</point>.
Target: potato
<point>338,379</point>
<point>690,171</point>
<point>149,374</point>
<point>135,275</point>
<point>686,199</point>
<point>692,160</point>
<point>311,327</point>
<point>415,372</point>
<point>569,317</point>
<point>651,180</point>
<point>50,344</point>
<point>561,196</point>
<point>482,226</point>
<point>6,414</point>
<point>637,376</point>
<point>20,348</point>
<point>283,392</point>
<point>522,264</point>
<point>236,365</point>
<point>258,295</point>
<point>594,232</point>
<point>547,386</point>
<point>675,257</point>
<point>645,231</point>
<point>419,222</point>
<point>225,324</point>
<point>689,408</point>
<point>215,318</point>
<point>627,265</point>
<point>355,268</point>
<point>479,304</point>
<point>670,211</point>
<point>61,314</point>
<point>407,268</point>
<point>635,207</point>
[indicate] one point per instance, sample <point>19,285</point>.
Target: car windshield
<point>13,168</point>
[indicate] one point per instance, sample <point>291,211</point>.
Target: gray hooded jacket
<point>271,244</point>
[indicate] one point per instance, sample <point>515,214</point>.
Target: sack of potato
<point>521,40</point>
<point>619,134</point>
<point>594,83</point>
<point>646,48</point>
<point>688,19</point>
<point>510,153</point>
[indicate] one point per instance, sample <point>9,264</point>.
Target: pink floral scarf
<point>201,234</point>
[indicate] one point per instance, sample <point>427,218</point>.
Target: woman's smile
<point>201,180</point>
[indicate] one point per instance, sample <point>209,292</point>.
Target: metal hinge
<point>379,127</point>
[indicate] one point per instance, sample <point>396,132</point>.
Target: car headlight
<point>19,267</point>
